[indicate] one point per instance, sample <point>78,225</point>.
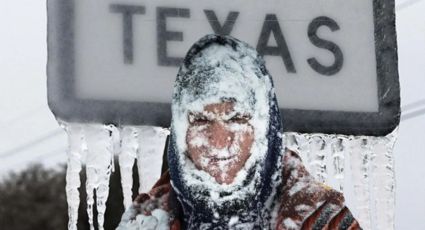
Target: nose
<point>219,136</point>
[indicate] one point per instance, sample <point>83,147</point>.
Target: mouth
<point>219,159</point>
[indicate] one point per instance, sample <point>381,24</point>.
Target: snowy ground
<point>29,132</point>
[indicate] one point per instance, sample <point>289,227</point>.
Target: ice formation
<point>361,167</point>
<point>76,151</point>
<point>100,141</point>
<point>149,158</point>
<point>95,146</point>
<point>129,149</point>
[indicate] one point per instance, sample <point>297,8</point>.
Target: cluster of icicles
<point>95,146</point>
<point>361,167</point>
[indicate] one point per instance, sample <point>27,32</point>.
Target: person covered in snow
<point>228,166</point>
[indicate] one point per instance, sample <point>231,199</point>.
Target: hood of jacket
<point>217,68</point>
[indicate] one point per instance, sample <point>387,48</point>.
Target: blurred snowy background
<point>29,133</point>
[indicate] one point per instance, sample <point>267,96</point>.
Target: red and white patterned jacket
<point>304,203</point>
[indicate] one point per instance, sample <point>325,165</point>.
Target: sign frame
<point>67,107</point>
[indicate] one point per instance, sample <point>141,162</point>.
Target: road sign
<point>334,63</point>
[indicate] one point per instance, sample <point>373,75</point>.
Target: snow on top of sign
<point>216,74</point>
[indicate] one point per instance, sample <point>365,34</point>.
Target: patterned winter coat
<point>303,203</point>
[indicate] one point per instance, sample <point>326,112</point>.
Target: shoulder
<point>306,203</point>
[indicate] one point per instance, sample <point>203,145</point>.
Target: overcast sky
<point>29,132</point>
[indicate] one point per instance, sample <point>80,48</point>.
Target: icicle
<point>318,151</point>
<point>304,150</point>
<point>360,166</point>
<point>370,177</point>
<point>390,182</point>
<point>129,148</point>
<point>360,162</point>
<point>338,161</point>
<point>303,146</point>
<point>99,163</point>
<point>149,158</point>
<point>313,151</point>
<point>291,142</point>
<point>76,149</point>
<point>383,183</point>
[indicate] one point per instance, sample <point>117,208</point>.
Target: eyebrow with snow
<point>235,116</point>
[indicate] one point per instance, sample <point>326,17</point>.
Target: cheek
<point>245,143</point>
<point>196,137</point>
<point>195,140</point>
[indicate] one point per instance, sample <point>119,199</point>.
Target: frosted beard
<point>217,69</point>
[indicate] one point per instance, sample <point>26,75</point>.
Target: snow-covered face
<point>219,140</point>
<point>220,121</point>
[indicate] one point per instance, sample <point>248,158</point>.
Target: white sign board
<point>333,62</point>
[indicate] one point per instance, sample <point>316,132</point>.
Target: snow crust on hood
<point>215,74</point>
<point>216,69</point>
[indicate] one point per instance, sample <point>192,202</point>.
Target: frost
<point>290,224</point>
<point>159,219</point>
<point>361,167</point>
<point>383,179</point>
<point>302,207</point>
<point>297,187</point>
<point>338,161</point>
<point>163,219</point>
<point>233,221</point>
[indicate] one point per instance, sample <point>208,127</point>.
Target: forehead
<point>220,108</point>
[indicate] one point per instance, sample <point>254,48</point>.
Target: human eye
<point>240,118</point>
<point>198,119</point>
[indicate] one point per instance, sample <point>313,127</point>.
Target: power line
<point>413,114</point>
<point>50,154</point>
<point>22,116</point>
<point>31,143</point>
<point>413,105</point>
<point>40,157</point>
